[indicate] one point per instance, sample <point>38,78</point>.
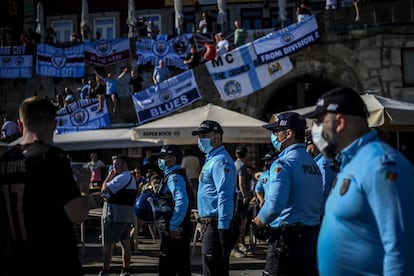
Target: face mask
<point>325,145</point>
<point>162,165</point>
<point>317,137</point>
<point>204,145</point>
<point>276,143</point>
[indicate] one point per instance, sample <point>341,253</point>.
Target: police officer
<point>175,240</point>
<point>327,167</point>
<point>215,199</point>
<point>293,201</point>
<point>260,188</point>
<point>369,214</point>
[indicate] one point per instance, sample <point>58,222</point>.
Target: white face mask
<point>317,137</point>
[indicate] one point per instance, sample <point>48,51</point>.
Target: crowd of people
<point>324,196</point>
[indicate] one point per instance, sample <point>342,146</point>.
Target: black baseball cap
<point>269,156</point>
<point>170,150</point>
<point>241,150</point>
<point>208,126</point>
<point>288,120</point>
<point>342,100</point>
<point>308,139</point>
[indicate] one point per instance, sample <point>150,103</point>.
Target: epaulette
<point>387,159</point>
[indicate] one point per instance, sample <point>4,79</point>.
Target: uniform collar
<point>172,168</point>
<point>349,152</point>
<point>215,151</point>
<point>291,147</point>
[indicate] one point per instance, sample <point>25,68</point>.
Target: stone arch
<point>315,71</point>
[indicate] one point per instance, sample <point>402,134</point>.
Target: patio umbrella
<point>132,19</point>
<point>222,15</point>
<point>179,17</point>
<point>384,113</point>
<point>85,20</point>
<point>176,129</point>
<point>40,19</point>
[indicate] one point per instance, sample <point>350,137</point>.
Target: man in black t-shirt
<point>136,83</point>
<point>38,211</point>
<point>193,58</point>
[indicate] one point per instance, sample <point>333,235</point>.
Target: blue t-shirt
<point>161,73</point>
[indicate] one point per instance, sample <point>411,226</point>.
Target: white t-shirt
<point>202,25</point>
<point>222,47</point>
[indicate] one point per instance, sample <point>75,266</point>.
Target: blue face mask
<point>276,143</point>
<point>204,145</point>
<point>162,165</point>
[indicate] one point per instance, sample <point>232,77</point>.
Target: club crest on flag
<point>59,60</point>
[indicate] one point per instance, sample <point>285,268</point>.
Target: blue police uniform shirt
<point>328,176</point>
<point>176,184</point>
<point>261,182</point>
<point>294,193</point>
<point>368,227</point>
<point>217,186</point>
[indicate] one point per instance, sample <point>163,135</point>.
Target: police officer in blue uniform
<point>176,237</point>
<point>260,188</point>
<point>216,197</point>
<point>327,167</point>
<point>293,199</point>
<point>368,224</point>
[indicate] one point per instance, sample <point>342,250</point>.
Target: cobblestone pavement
<point>145,260</point>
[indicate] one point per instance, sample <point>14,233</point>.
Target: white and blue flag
<point>166,97</point>
<point>67,62</point>
<point>286,41</point>
<point>238,73</point>
<point>82,115</point>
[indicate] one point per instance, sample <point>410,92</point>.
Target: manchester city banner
<point>14,63</point>
<point>172,51</point>
<point>286,41</point>
<point>105,52</point>
<point>67,62</point>
<point>166,97</point>
<point>82,115</point>
<point>238,73</point>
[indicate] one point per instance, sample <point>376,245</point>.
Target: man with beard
<point>369,212</point>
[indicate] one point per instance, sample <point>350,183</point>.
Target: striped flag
<point>66,62</point>
<point>105,52</point>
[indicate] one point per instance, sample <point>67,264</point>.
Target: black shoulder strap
<point>126,185</point>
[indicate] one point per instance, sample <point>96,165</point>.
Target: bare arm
<point>123,73</point>
<point>77,209</point>
<point>98,75</point>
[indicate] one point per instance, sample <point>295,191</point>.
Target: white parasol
<point>132,19</point>
<point>179,17</point>
<point>85,19</point>
<point>40,19</point>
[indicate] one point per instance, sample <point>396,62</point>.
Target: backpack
<point>153,205</point>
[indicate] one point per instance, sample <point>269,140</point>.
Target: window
<point>188,24</point>
<point>252,18</point>
<point>156,19</point>
<point>63,29</point>
<point>105,27</point>
<point>407,59</point>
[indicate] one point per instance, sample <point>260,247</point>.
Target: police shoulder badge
<point>345,186</point>
<point>175,179</point>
